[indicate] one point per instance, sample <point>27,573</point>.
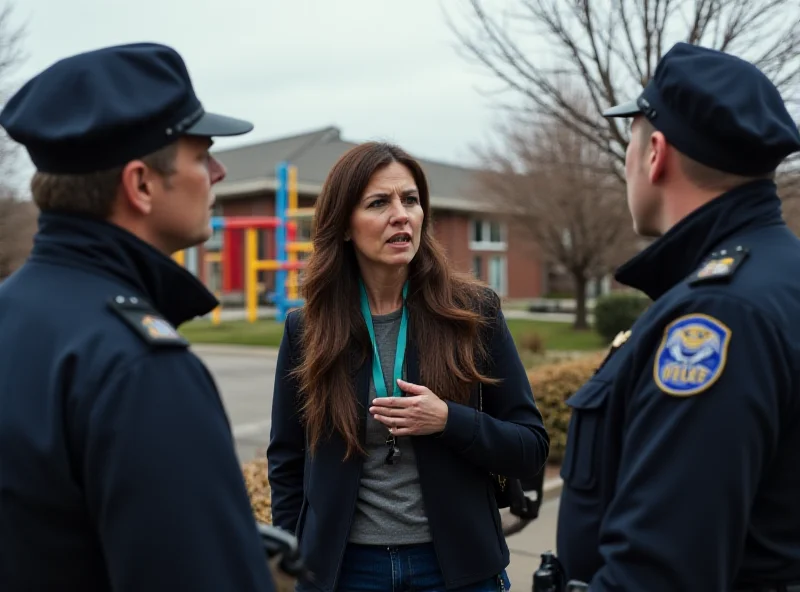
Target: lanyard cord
<point>400,350</point>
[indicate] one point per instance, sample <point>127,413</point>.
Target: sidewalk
<point>226,349</point>
<point>539,536</point>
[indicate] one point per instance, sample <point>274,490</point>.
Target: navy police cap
<point>100,109</point>
<point>718,110</point>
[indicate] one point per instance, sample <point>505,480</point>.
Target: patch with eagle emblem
<point>692,355</point>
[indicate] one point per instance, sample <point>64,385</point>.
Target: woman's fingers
<point>388,411</point>
<point>391,406</point>
<point>393,422</point>
<point>411,388</point>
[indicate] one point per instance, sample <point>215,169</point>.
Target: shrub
<point>617,311</point>
<point>255,477</point>
<point>532,342</point>
<point>552,385</point>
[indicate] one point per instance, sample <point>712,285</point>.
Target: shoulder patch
<point>692,355</point>
<point>721,266</point>
<point>150,325</point>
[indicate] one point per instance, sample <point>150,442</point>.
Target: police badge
<point>692,355</point>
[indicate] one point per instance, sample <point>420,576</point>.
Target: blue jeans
<point>405,568</point>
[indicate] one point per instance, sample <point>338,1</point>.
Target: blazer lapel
<point>412,360</point>
<point>362,378</point>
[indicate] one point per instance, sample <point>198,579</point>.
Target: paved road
<point>245,378</point>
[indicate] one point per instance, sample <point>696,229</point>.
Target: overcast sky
<point>378,69</point>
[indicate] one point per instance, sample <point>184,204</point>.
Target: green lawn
<point>266,332</point>
<point>555,336</point>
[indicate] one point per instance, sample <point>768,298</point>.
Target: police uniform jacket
<point>117,468</point>
<point>682,469</point>
<point>507,438</point>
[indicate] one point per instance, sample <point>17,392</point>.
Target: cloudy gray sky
<point>378,69</point>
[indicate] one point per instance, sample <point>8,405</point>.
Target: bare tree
<point>610,48</point>
<point>17,218</point>
<point>17,227</point>
<point>559,189</point>
<point>789,190</point>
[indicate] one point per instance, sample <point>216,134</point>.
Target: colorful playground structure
<point>286,263</point>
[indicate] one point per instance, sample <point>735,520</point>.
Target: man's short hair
<point>701,175</point>
<point>93,194</point>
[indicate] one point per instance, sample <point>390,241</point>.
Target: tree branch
<point>607,50</point>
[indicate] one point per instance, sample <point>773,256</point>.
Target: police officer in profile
<point>682,468</point>
<point>117,465</point>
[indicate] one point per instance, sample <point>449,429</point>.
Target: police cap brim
<point>214,124</point>
<point>628,109</point>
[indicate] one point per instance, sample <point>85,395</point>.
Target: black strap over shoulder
<point>525,507</point>
<point>139,315</point>
<point>519,504</point>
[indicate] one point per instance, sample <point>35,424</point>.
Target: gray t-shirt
<point>389,510</point>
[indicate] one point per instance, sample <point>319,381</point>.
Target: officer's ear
<point>656,154</point>
<point>138,183</point>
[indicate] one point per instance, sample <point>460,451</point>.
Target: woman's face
<point>386,224</point>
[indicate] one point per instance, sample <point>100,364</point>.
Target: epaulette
<point>148,324</point>
<point>720,267</point>
<point>618,342</point>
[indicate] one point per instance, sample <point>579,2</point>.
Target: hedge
<point>552,384</point>
<point>255,476</point>
<point>617,312</point>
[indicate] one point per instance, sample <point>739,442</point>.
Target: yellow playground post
<point>253,266</point>
<point>208,257</point>
<point>292,247</point>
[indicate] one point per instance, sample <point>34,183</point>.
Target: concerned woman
<point>399,397</point>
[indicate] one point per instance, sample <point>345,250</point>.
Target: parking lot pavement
<point>245,378</point>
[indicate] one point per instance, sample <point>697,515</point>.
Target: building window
<point>214,276</point>
<point>497,274</point>
<point>192,262</point>
<point>214,243</point>
<point>262,236</point>
<point>477,266</point>
<point>303,230</point>
<point>487,235</point>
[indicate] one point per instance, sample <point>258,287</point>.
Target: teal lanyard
<point>400,351</point>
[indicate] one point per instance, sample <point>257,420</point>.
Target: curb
<point>552,489</point>
<point>233,350</point>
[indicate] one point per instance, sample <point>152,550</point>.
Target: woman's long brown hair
<point>335,341</point>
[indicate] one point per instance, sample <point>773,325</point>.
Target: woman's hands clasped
<point>419,413</point>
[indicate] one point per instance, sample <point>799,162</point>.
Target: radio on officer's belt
<point>550,577</point>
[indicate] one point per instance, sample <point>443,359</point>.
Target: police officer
<point>117,466</point>
<point>682,469</point>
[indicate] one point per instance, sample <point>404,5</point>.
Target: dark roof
<point>251,169</point>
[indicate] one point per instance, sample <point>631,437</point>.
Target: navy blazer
<point>316,497</point>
